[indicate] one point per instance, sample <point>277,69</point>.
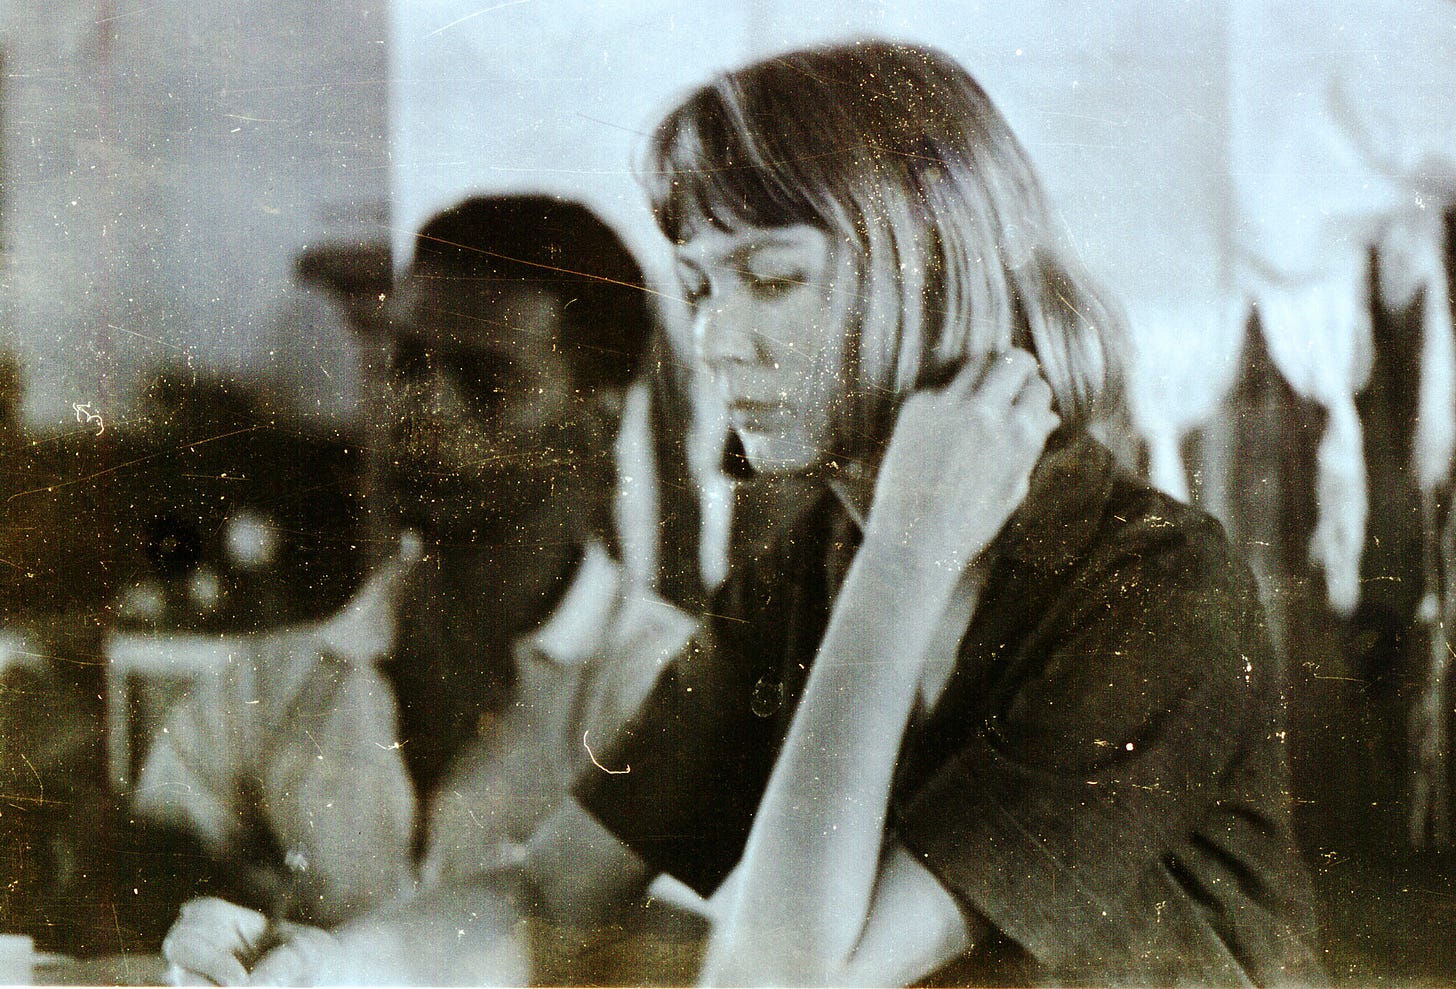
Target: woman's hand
<point>959,463</point>
<point>298,955</point>
<point>214,942</point>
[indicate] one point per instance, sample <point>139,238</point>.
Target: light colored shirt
<point>296,731</point>
<point>580,677</point>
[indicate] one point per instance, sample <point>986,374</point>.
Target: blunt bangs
<point>704,171</point>
<point>733,155</point>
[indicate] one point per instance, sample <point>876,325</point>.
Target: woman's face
<point>771,311</point>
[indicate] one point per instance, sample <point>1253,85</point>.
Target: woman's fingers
<point>1033,406</point>
<point>301,957</point>
<point>965,451</point>
<point>963,383</point>
<point>1006,379</point>
<point>1007,386</point>
<point>996,379</point>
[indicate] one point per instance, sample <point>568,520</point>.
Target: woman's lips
<point>749,413</point>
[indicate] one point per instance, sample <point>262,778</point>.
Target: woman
<point>989,707</point>
<point>985,709</point>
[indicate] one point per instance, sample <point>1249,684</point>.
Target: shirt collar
<point>574,632</point>
<point>1068,490</point>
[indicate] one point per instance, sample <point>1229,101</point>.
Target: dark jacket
<point>1104,779</point>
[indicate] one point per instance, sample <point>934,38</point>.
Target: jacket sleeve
<point>1109,748</point>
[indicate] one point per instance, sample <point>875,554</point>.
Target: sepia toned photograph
<point>737,493</point>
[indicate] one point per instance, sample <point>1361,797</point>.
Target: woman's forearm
<point>808,875</point>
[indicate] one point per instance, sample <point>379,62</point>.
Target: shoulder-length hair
<point>897,153</point>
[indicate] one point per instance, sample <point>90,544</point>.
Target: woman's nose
<point>724,335</point>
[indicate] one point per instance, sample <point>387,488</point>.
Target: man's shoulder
<point>647,621</point>
<point>610,615</point>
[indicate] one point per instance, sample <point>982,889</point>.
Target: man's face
<point>485,420</point>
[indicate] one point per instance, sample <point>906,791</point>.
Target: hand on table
<point>214,942</point>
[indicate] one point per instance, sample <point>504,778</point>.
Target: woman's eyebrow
<point>739,255</point>
<point>744,252</point>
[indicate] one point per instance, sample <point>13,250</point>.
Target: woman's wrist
<point>918,571</point>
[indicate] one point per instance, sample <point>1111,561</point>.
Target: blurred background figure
<point>306,756</point>
<point>126,533</point>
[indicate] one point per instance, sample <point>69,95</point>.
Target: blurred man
<point>484,661</point>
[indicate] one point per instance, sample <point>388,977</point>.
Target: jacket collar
<point>1064,505</point>
<point>1062,511</point>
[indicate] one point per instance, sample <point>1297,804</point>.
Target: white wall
<point>162,165</point>
<point>1122,105</point>
<point>514,95</point>
<point>163,162</point>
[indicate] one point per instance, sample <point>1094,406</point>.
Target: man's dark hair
<point>562,246</point>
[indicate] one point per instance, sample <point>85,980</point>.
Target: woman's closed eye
<point>765,286</point>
